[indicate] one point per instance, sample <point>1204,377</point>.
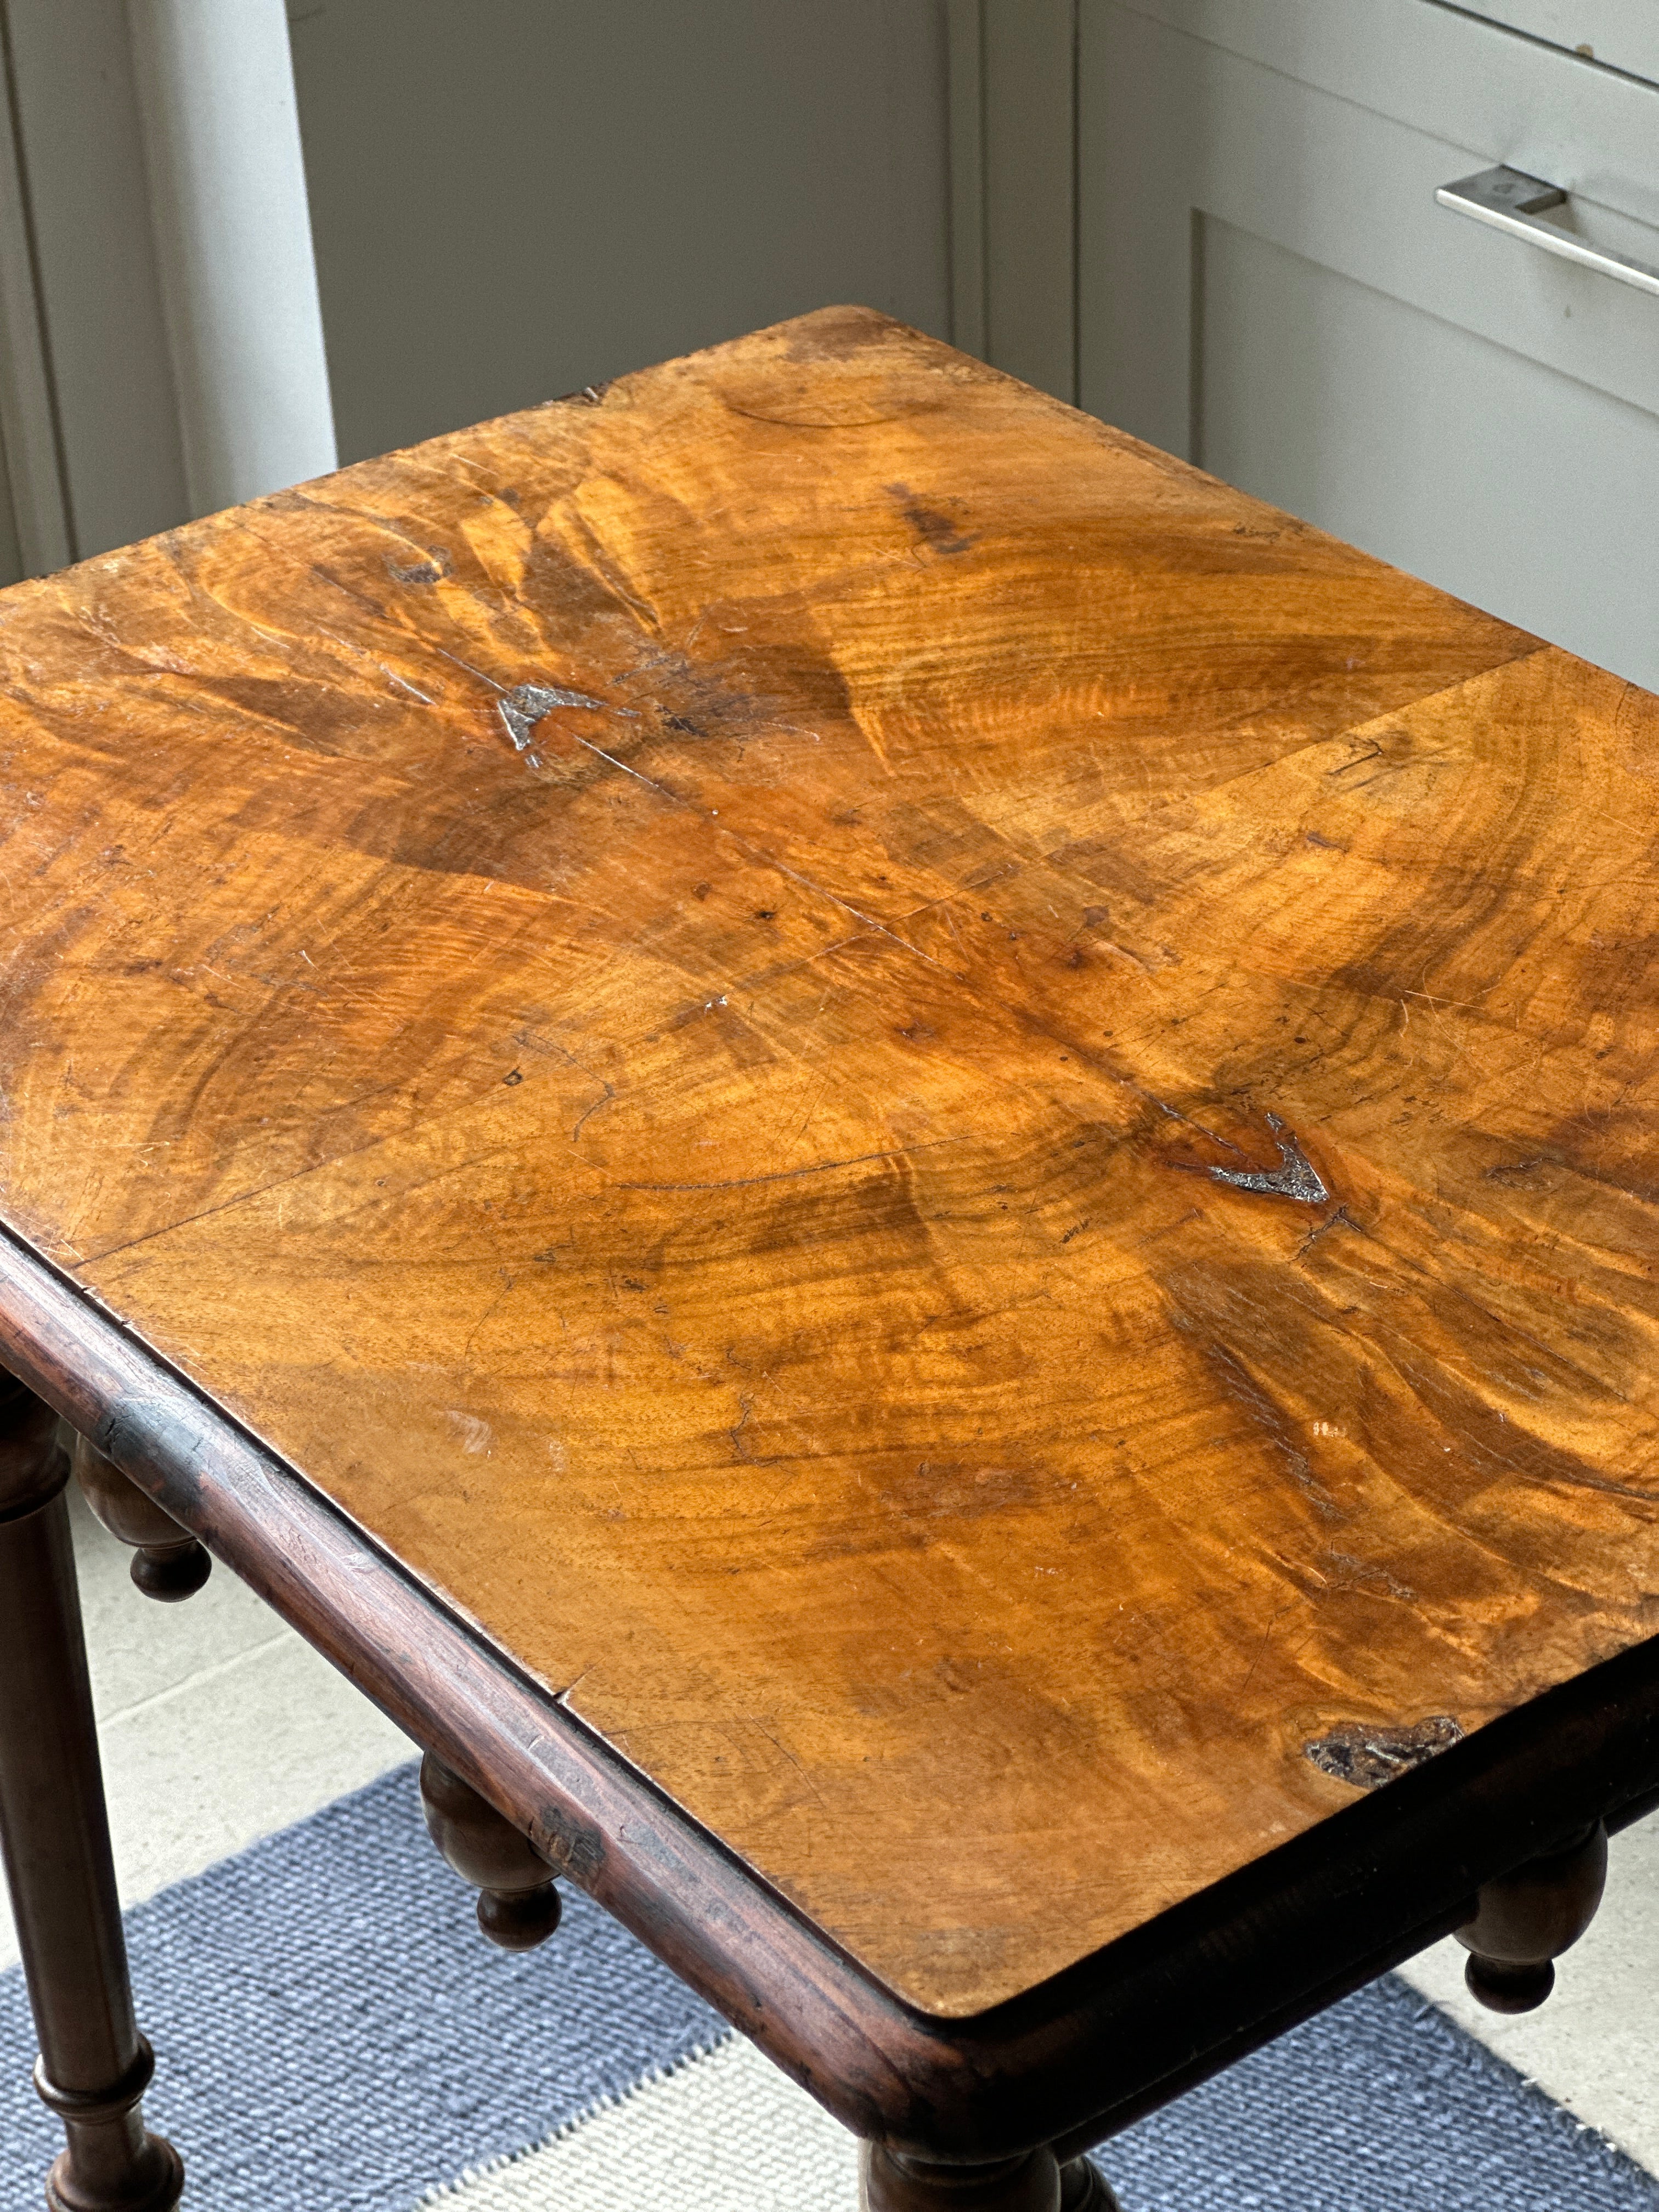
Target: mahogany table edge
<point>1065,2064</point>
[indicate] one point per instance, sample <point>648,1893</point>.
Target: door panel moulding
<point>1013,80</point>
<point>29,428</point>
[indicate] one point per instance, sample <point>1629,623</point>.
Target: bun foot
<point>519,1907</point>
<point>520,1920</point>
<point>167,1561</point>
<point>1526,1918</point>
<point>174,1572</point>
<point>1507,1989</point>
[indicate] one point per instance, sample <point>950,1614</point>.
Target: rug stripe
<point>724,2132</point>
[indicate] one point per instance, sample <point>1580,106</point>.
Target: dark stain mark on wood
<point>1517,1173</point>
<point>1369,1757</point>
<point>430,571</point>
<point>569,1847</point>
<point>937,531</point>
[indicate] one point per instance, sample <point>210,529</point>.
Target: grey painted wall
<point>512,199</point>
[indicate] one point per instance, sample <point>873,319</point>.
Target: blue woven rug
<point>334,2036</point>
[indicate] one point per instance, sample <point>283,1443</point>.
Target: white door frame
<point>161,338</point>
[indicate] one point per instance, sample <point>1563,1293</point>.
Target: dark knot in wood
<point>167,1561</point>
<point>518,1905</point>
<point>1369,1756</point>
<point>1526,1918</point>
<point>1295,1176</point>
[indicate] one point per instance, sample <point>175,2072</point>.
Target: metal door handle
<point>1510,200</point>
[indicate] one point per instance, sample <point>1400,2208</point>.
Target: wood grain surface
<point>958,1127</point>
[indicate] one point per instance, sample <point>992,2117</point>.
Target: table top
<point>957,1128</point>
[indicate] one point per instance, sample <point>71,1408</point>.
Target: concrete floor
<point>219,1726</point>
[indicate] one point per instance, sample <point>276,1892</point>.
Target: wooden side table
<point>903,1167</point>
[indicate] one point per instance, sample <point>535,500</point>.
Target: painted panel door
<point>1267,285</point>
<point>1624,33</point>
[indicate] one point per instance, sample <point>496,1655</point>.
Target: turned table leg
<point>891,2182</point>
<point>94,2064</point>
